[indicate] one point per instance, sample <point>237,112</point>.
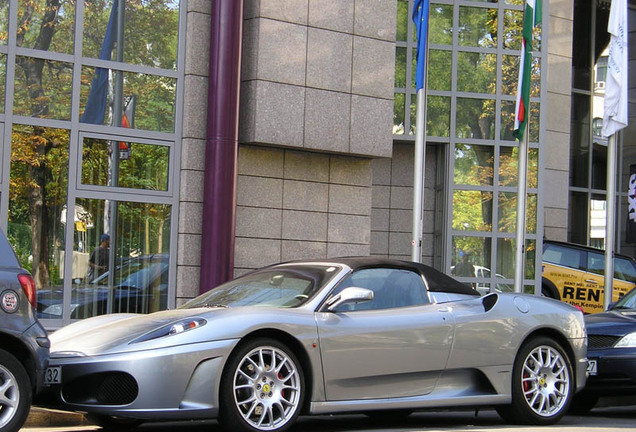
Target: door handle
<point>447,309</point>
<point>592,281</point>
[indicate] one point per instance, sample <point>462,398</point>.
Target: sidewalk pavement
<point>45,417</point>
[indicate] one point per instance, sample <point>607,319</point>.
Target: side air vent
<point>489,301</point>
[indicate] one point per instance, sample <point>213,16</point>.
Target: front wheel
<point>15,393</point>
<point>542,384</point>
<point>262,388</point>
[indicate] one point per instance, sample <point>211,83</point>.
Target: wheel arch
<point>299,351</point>
<point>551,287</point>
<point>560,339</point>
<point>20,351</point>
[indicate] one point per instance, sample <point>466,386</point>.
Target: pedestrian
<point>98,262</point>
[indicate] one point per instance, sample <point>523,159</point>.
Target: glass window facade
<point>588,148</point>
<point>473,67</point>
<point>88,123</point>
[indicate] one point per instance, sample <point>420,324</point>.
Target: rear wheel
<point>15,393</point>
<point>262,388</point>
<point>542,384</point>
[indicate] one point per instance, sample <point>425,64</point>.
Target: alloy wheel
<point>267,388</point>
<point>545,380</point>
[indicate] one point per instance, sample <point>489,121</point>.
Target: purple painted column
<point>221,153</point>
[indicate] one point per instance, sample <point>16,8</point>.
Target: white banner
<point>615,108</point>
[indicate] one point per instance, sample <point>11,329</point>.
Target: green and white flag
<point>531,18</point>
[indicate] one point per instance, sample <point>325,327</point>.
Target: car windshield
<point>628,301</point>
<point>135,272</point>
<point>283,286</point>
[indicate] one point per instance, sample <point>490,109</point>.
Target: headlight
<point>627,341</point>
<point>172,329</point>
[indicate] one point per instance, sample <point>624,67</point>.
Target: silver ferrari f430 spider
<point>330,336</point>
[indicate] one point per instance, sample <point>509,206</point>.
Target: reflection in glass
<point>43,88</point>
<point>508,121</point>
<point>473,165</point>
<point>513,29</point>
<point>141,166</point>
<point>580,140</point>
<point>508,167</point>
<point>476,72</point>
<point>441,24</point>
<point>403,17</point>
<point>506,258</point>
<point>473,250</point>
<point>137,274</point>
<point>438,116</point>
<point>150,31</point>
<point>578,216</point>
<point>442,61</point>
<point>37,198</point>
<point>475,118</point>
<point>400,67</point>
<point>507,212</point>
<point>155,96</point>
<point>472,210</point>
<point>398,113</point>
<point>4,21</point>
<point>477,27</point>
<point>599,166</point>
<point>3,80</point>
<point>46,25</point>
<point>509,74</point>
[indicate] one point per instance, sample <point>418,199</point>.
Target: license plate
<point>53,375</point>
<point>592,367</point>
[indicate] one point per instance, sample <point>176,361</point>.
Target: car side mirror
<point>351,295</point>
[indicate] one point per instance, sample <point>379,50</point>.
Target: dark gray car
<point>24,345</point>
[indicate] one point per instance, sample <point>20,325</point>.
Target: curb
<point>45,417</point>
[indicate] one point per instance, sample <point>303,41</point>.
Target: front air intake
<point>111,388</point>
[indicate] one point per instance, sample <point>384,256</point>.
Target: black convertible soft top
<point>437,281</point>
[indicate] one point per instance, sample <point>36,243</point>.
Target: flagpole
<point>615,118</point>
<point>418,178</point>
<point>116,120</point>
<point>522,174</point>
<point>420,10</point>
<point>610,220</point>
<point>532,16</point>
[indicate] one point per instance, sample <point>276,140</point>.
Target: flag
<point>615,104</point>
<point>127,121</point>
<point>420,18</point>
<point>531,18</point>
<point>97,98</point>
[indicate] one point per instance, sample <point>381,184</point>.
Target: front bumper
<point>616,372</point>
<point>178,382</point>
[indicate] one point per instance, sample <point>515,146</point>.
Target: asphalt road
<point>600,420</point>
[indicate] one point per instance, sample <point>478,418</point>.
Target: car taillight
<point>28,286</point>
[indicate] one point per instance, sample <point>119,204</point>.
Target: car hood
<point>109,333</point>
<point>118,333</point>
<point>611,323</point>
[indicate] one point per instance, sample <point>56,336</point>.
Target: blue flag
<point>420,18</point>
<point>98,96</point>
